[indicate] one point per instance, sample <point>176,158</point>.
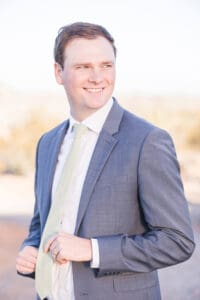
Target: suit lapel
<point>51,161</point>
<point>104,147</point>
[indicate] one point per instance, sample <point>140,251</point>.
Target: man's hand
<point>26,260</point>
<point>65,247</point>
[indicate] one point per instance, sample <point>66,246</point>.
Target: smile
<point>94,90</point>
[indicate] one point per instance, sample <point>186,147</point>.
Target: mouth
<point>94,90</point>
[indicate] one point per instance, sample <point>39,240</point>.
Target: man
<point>123,213</point>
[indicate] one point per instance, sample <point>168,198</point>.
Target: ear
<point>58,73</point>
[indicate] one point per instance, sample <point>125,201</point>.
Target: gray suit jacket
<point>132,202</point>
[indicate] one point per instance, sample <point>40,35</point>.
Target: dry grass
<point>181,119</point>
<point>17,152</point>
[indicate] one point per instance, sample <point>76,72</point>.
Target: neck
<point>81,115</point>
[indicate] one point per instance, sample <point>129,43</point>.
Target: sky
<point>158,42</point>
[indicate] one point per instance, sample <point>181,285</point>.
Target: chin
<point>98,103</point>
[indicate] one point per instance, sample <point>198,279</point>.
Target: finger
<point>62,262</point>
<point>48,244</point>
<point>53,256</point>
<point>32,259</point>
<point>54,247</point>
<point>25,264</point>
<point>33,255</point>
<point>25,270</point>
<point>28,258</point>
<point>29,251</point>
<point>33,252</point>
<point>60,259</point>
<point>22,265</point>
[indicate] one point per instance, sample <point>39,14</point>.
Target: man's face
<point>88,75</point>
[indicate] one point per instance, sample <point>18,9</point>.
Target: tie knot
<point>79,130</point>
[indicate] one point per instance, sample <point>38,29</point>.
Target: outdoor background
<point>158,78</point>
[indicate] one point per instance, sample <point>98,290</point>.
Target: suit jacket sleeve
<point>169,238</point>
<point>34,236</point>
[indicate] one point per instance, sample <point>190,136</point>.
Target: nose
<point>95,75</point>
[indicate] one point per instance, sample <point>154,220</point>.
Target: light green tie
<point>53,225</point>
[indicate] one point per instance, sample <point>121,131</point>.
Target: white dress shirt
<point>62,274</point>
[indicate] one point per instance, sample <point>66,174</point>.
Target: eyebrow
<point>108,62</point>
<point>90,63</point>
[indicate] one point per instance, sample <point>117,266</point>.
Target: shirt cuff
<point>95,254</point>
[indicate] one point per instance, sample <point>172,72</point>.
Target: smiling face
<point>88,75</point>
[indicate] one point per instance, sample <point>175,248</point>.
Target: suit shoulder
<point>134,121</point>
<point>140,129</point>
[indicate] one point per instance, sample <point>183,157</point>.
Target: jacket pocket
<point>131,282</point>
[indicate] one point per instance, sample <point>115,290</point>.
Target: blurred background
<point>158,78</point>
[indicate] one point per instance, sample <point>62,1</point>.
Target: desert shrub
<point>17,150</point>
<point>192,128</point>
<point>182,120</point>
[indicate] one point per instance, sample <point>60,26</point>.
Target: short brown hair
<point>78,30</point>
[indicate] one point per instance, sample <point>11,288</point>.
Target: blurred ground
<point>181,282</point>
<point>12,232</point>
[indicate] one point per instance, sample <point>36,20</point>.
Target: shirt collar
<point>95,121</point>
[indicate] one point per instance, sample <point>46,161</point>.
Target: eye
<point>82,67</point>
<point>78,67</point>
<point>86,66</point>
<point>107,65</point>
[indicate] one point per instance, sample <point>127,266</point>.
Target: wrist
<point>88,250</point>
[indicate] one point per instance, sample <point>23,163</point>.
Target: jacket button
<point>84,294</point>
